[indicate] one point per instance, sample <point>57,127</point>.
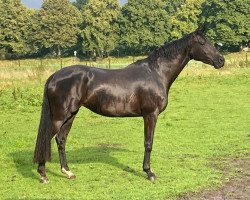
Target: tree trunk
<point>58,51</point>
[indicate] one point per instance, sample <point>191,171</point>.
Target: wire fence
<point>235,61</point>
<point>106,63</point>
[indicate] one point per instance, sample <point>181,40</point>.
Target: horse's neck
<point>170,69</point>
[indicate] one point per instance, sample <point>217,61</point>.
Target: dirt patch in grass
<point>238,187</point>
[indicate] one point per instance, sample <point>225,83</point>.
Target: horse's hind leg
<point>41,168</point>
<point>41,171</point>
<point>61,138</point>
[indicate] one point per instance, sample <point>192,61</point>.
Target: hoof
<point>44,180</point>
<point>72,176</point>
<point>151,176</point>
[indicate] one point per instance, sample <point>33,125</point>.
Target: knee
<point>148,147</point>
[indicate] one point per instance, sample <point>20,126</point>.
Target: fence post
<point>41,63</point>
<point>19,64</point>
<point>61,63</point>
<point>109,63</point>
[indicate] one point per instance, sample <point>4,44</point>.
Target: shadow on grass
<point>86,155</point>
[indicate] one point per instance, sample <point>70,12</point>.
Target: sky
<point>37,3</point>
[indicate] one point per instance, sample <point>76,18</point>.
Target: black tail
<point>43,142</point>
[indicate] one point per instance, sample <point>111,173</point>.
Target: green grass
<point>205,125</point>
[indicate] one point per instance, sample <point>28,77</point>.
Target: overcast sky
<point>37,3</point>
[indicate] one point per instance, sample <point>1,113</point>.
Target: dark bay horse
<point>138,90</point>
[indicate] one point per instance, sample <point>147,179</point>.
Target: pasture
<point>205,127</point>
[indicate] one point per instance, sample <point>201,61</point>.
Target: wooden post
<point>41,63</point>
<point>109,63</point>
<point>61,63</point>
<point>19,64</point>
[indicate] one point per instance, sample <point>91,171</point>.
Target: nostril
<point>221,59</point>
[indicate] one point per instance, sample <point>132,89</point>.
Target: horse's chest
<point>154,103</point>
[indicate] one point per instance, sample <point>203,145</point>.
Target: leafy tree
<point>100,28</point>
<point>80,3</point>
<point>15,29</point>
<point>186,18</point>
<point>144,24</point>
<point>173,5</point>
<point>59,24</point>
<point>227,21</point>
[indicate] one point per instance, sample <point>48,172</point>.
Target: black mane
<point>169,50</point>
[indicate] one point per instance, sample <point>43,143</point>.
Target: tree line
<point>100,28</point>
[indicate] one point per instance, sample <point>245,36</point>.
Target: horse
<point>139,90</point>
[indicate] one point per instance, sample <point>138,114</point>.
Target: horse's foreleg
<point>61,142</point>
<point>149,127</point>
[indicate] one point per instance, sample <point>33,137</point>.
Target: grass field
<point>205,126</point>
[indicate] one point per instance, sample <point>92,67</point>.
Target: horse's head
<point>203,50</point>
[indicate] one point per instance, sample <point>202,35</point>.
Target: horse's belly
<point>112,100</point>
<point>115,108</point>
<point>120,110</point>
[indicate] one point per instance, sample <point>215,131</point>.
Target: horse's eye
<point>201,40</point>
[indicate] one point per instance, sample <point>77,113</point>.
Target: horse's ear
<point>197,30</point>
<point>200,30</point>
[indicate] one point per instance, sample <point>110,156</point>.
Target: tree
<point>100,28</point>
<point>15,29</point>
<point>186,18</point>
<point>173,5</point>
<point>144,24</point>
<point>59,24</point>
<point>227,21</point>
<point>80,3</point>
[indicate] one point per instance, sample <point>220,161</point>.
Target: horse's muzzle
<point>220,62</point>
